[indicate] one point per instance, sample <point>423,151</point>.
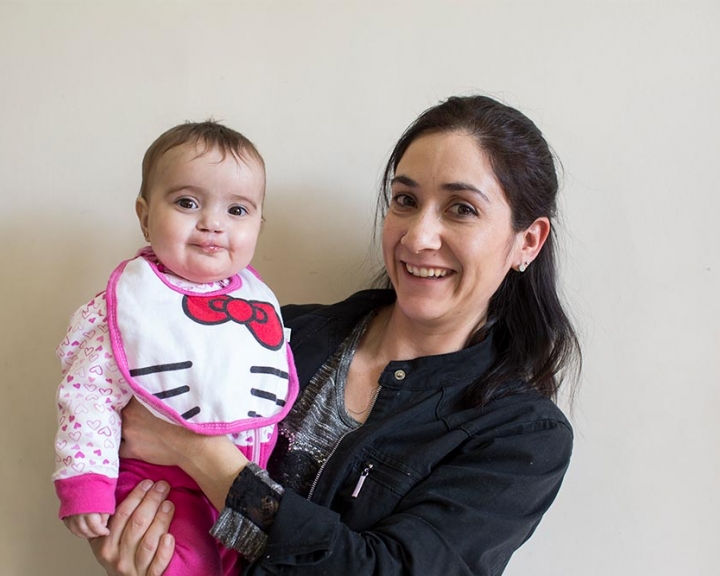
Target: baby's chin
<point>203,276</point>
<point>206,270</point>
<point>208,275</point>
<point>208,279</point>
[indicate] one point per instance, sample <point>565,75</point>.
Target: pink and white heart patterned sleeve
<point>89,400</point>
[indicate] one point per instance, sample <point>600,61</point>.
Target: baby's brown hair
<point>210,133</point>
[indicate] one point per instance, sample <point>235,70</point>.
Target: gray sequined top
<point>319,420</point>
<point>313,427</point>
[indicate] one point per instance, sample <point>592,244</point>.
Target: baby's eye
<point>237,211</point>
<point>187,203</point>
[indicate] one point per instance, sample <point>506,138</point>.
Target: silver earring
<point>523,267</point>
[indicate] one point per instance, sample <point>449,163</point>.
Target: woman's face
<point>447,237</point>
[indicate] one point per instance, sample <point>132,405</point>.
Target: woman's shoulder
<point>524,412</point>
<point>519,412</point>
<point>308,318</point>
<point>357,303</point>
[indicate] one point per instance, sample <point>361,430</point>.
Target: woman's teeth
<point>426,272</point>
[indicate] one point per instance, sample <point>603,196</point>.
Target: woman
<point>425,439</point>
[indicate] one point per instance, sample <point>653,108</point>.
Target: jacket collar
<point>427,372</point>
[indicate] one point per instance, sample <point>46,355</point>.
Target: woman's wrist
<point>250,509</point>
<point>214,464</point>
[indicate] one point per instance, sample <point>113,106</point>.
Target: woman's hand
<point>138,543</point>
<point>148,438</point>
<point>212,461</point>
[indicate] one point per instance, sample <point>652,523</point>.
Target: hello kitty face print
<point>216,362</point>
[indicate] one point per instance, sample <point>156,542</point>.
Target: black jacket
<point>447,489</point>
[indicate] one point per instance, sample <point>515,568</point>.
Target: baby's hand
<point>87,525</point>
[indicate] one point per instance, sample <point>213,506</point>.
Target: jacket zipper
<point>364,474</point>
<point>322,467</point>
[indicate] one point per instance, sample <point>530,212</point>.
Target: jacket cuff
<point>86,494</point>
<point>249,512</point>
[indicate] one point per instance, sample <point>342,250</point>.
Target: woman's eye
<point>237,211</point>
<point>187,203</point>
<point>403,200</point>
<point>464,210</point>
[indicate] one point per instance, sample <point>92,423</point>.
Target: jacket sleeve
<point>466,517</point>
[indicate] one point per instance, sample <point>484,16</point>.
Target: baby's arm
<point>87,525</point>
<point>89,401</point>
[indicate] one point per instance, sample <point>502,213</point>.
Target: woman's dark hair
<point>533,336</point>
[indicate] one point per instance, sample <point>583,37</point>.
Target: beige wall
<point>627,93</point>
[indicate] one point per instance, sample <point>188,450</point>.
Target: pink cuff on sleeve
<point>86,494</point>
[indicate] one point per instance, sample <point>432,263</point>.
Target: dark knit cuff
<point>250,508</point>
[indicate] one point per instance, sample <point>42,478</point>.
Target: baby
<point>187,328</point>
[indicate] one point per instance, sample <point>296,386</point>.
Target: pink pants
<point>196,551</point>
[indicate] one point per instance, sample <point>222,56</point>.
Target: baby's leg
<point>196,552</point>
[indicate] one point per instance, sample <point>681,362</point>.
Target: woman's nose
<point>424,232</point>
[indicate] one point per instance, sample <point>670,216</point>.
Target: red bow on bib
<point>259,317</point>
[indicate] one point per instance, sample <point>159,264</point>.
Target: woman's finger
<point>107,548</point>
<point>136,523</point>
<point>133,517</point>
<point>162,556</point>
<point>155,550</point>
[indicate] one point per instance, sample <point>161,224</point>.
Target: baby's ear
<point>143,210</point>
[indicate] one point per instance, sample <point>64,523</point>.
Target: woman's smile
<point>425,272</point>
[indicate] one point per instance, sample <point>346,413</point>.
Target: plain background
<point>627,92</point>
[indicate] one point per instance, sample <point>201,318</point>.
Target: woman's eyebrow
<point>450,186</point>
<point>409,182</point>
<point>464,186</point>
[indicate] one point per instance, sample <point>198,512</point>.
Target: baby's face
<point>203,213</point>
